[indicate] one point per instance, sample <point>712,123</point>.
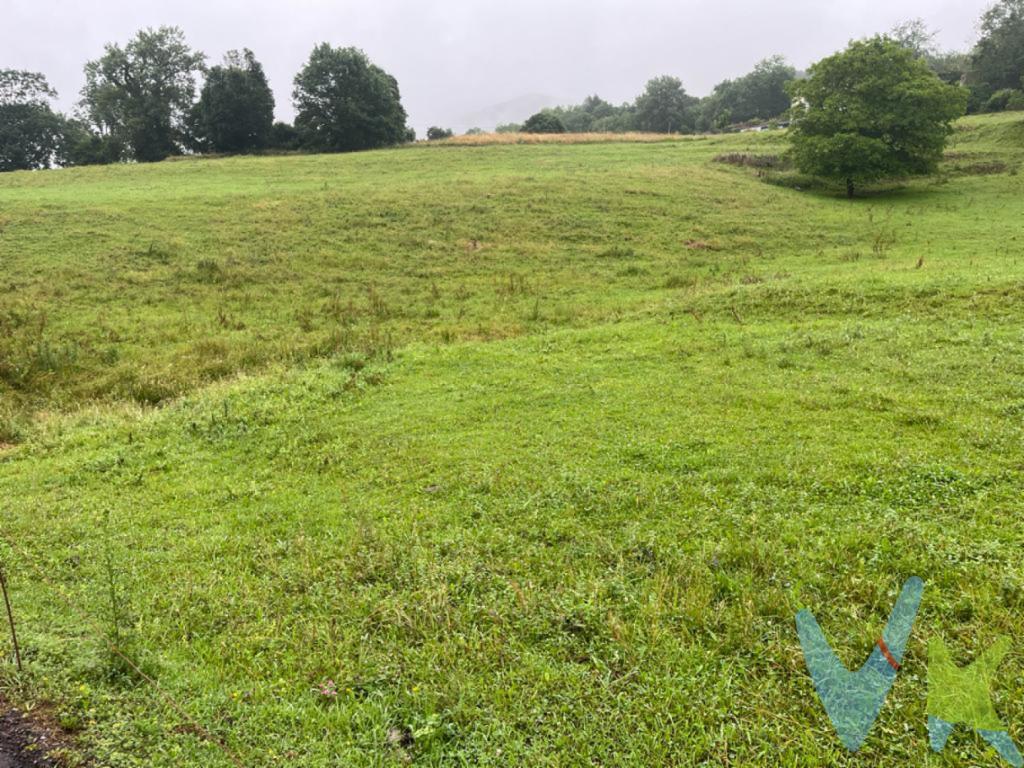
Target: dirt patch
<point>700,245</point>
<point>752,161</point>
<point>30,741</point>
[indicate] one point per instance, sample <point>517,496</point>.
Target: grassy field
<point>533,451</point>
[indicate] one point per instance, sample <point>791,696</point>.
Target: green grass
<point>534,450</point>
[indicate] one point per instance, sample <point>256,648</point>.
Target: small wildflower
<point>328,689</point>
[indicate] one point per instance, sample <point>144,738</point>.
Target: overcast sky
<point>461,63</point>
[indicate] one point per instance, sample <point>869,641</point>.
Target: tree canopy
<point>32,135</point>
<point>235,111</point>
<point>594,114</point>
<point>665,107</point>
<point>916,37</point>
<point>434,133</point>
<point>142,94</point>
<point>544,122</point>
<point>344,102</point>
<point>871,112</point>
<point>998,59</point>
<point>759,95</point>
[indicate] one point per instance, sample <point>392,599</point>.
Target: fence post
<point>10,617</point>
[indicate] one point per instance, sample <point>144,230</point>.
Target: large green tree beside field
<point>874,111</point>
<point>344,102</point>
<point>235,112</point>
<point>141,95</point>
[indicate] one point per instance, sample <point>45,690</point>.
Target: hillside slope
<point>138,284</point>
<point>568,519</point>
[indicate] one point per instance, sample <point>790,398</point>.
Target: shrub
<point>544,122</point>
<point>750,161</point>
<point>434,133</point>
<point>1006,100</point>
<point>283,136</point>
<point>1000,100</point>
<point>88,148</point>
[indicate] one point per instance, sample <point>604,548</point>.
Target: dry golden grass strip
<point>489,139</point>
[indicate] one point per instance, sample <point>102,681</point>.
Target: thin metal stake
<point>10,618</point>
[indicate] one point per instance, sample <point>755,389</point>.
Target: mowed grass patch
<point>582,547</point>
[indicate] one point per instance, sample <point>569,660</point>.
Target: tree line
<point>142,102</point>
<point>666,107</point>
<point>992,74</point>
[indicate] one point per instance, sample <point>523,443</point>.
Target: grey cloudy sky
<point>474,62</point>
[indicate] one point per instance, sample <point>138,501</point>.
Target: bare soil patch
<point>30,741</point>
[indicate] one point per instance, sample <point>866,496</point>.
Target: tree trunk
<point>849,189</point>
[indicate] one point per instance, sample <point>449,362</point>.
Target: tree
<point>1005,100</point>
<point>871,112</point>
<point>763,93</point>
<point>759,95</point>
<point>621,121</point>
<point>998,59</point>
<point>594,114</point>
<point>580,118</point>
<point>575,118</point>
<point>544,122</point>
<point>235,112</point>
<point>283,136</point>
<point>434,133</point>
<point>597,107</point>
<point>950,66</point>
<point>83,146</point>
<point>665,107</point>
<point>344,102</point>
<point>916,37</point>
<point>32,135</point>
<point>141,94</point>
<point>509,128</point>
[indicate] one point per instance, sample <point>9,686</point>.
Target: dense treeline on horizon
<point>992,74</point>
<point>142,102</point>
